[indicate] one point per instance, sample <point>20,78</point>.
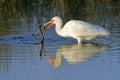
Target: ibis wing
<point>83,29</point>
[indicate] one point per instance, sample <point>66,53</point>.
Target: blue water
<point>20,58</point>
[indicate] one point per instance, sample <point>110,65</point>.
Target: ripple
<point>17,39</point>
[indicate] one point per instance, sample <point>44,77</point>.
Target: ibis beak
<point>50,23</point>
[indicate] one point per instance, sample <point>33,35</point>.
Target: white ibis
<point>76,29</point>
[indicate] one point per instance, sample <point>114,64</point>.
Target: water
<point>61,58</point>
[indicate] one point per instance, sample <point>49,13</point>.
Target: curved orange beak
<point>50,23</point>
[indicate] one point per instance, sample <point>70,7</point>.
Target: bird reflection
<point>75,53</point>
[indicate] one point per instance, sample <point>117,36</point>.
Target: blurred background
<point>21,16</point>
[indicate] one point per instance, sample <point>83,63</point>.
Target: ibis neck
<point>59,28</point>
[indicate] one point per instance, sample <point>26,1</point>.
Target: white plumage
<point>76,29</point>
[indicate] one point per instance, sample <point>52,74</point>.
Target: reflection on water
<point>76,53</point>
